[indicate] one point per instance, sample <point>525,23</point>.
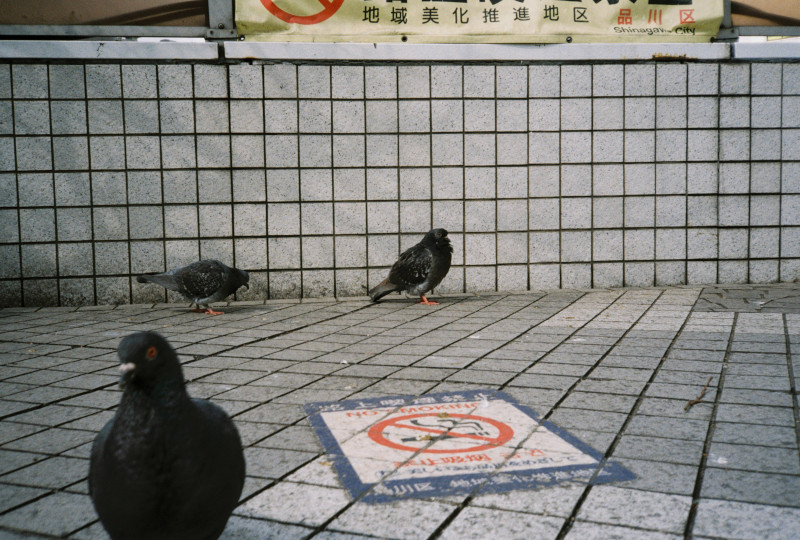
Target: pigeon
<point>419,269</point>
<point>166,466</point>
<point>201,283</point>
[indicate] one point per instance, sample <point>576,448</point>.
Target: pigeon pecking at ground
<point>419,269</point>
<point>201,283</point>
<point>166,466</point>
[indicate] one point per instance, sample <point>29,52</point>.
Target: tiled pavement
<point>616,368</point>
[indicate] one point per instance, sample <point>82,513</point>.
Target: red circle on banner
<point>504,433</point>
<point>328,9</point>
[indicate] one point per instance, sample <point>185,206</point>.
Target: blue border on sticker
<point>490,481</point>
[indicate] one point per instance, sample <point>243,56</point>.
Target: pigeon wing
<point>207,471</point>
<point>413,266</point>
<point>201,279</point>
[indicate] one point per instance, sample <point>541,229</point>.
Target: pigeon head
<point>243,279</point>
<point>438,238</point>
<point>145,358</point>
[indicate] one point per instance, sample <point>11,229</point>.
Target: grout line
<point>90,180</point>
<point>528,167</point>
<point>13,111</point>
<point>496,100</point>
<point>263,102</point>
<point>792,383</point>
<point>779,255</point>
<point>397,167</point>
<point>123,135</point>
<point>698,485</point>
<point>53,188</point>
<point>300,138</point>
<point>332,171</point>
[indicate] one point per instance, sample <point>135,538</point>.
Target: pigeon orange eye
<point>151,353</point>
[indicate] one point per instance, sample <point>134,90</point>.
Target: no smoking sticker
<point>453,443</point>
<point>456,432</point>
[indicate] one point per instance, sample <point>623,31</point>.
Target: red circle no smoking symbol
<point>403,432</point>
<point>328,9</point>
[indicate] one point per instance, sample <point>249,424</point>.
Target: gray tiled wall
<point>315,177</point>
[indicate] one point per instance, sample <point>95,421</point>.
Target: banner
<point>479,21</point>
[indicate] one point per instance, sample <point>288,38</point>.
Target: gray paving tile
<point>631,388</point>
<point>257,394</point>
<point>738,520</point>
<point>755,487</point>
<point>93,532</point>
<point>626,374</point>
<point>14,496</point>
<point>425,374</point>
<point>285,379</point>
<point>599,402</point>
<point>280,503</point>
<point>42,394</point>
<point>661,477</point>
<point>585,419</point>
<point>409,519</point>
<point>742,457</point>
<point>280,413</point>
<point>472,522</point>
<point>635,508</point>
<point>757,382</point>
<point>596,531</point>
<point>678,451</point>
<point>755,414</point>
<point>57,514</point>
<point>52,441</point>
<point>477,376</point>
<point>339,381</point>
<point>240,528</point>
<point>674,408</point>
<point>293,438</point>
<point>10,431</point>
<point>599,440</point>
<point>333,535</point>
<point>543,367</point>
<point>10,460</point>
<point>319,472</point>
<point>52,415</point>
<point>683,391</point>
<point>754,434</point>
<point>555,382</point>
<point>756,397</point>
<point>674,428</point>
<point>272,463</point>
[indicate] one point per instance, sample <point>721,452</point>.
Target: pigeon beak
<point>126,372</point>
<point>247,286</point>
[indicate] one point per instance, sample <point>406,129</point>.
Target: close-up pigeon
<point>201,282</point>
<point>419,269</point>
<point>166,466</point>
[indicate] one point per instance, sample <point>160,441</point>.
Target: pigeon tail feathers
<point>165,280</point>
<point>382,289</point>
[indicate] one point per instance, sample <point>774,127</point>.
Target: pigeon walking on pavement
<point>202,282</point>
<point>166,466</point>
<point>419,269</point>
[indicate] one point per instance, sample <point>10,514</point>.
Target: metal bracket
<point>221,20</point>
<point>727,32</point>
